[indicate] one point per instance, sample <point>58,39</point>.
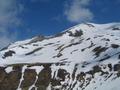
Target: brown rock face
<point>43,79</point>
<point>2,74</point>
<point>29,78</point>
<point>10,81</point>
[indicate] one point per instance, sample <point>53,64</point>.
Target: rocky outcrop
<point>9,81</point>
<point>55,79</point>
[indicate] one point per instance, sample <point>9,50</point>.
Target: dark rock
<point>35,50</point>
<point>17,68</point>
<point>11,81</point>
<point>9,53</point>
<point>117,67</point>
<point>116,28</point>
<point>38,38</point>
<point>77,33</point>
<point>110,67</point>
<point>98,50</point>
<point>29,78</point>
<point>90,25</point>
<point>118,74</point>
<point>59,55</point>
<point>95,70</point>
<point>87,39</point>
<point>2,74</point>
<point>118,56</point>
<point>61,74</point>
<point>55,82</point>
<point>44,78</point>
<point>114,46</point>
<point>81,77</point>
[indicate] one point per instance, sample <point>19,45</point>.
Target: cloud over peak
<point>77,11</point>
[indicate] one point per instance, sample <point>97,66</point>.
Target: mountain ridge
<point>83,57</point>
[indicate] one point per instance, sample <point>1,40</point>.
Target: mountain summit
<point>83,57</point>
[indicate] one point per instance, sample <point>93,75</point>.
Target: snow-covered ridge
<point>72,44</point>
<point>83,57</point>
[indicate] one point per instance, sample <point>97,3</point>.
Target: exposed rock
<point>11,81</point>
<point>44,78</point>
<point>38,38</point>
<point>29,78</point>
<point>117,67</point>
<point>114,45</point>
<point>98,50</point>
<point>77,33</point>
<point>2,74</point>
<point>9,53</point>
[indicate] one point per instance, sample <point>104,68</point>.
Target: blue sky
<point>22,19</point>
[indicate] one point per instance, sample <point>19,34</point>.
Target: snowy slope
<point>89,52</point>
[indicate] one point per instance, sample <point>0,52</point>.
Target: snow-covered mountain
<point>83,57</point>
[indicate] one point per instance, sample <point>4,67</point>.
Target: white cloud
<point>9,11</point>
<point>78,11</point>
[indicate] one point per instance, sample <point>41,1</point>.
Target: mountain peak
<point>83,57</point>
<point>83,35</point>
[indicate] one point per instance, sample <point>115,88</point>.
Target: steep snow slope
<point>84,57</point>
